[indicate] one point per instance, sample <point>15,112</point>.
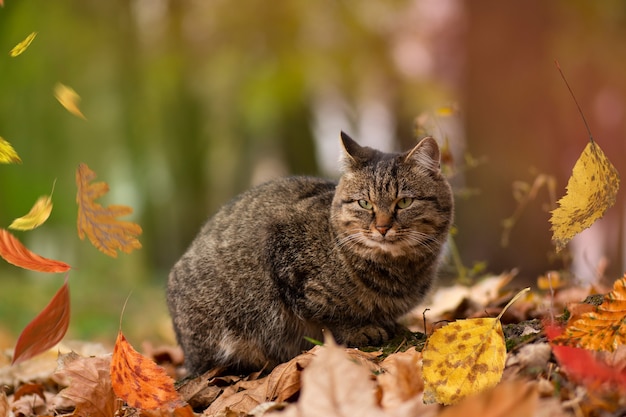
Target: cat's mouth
<point>387,244</point>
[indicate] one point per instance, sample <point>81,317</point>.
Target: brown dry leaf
<point>90,384</point>
<point>402,378</point>
<point>139,381</point>
<point>509,399</point>
<point>4,405</point>
<point>105,232</point>
<point>280,385</point>
<point>15,253</point>
<point>335,386</point>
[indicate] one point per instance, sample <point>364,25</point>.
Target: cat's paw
<point>370,335</point>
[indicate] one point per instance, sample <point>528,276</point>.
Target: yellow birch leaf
<point>591,190</point>
<point>603,328</point>
<point>8,154</point>
<point>464,358</point>
<point>68,99</point>
<point>22,46</point>
<point>37,215</point>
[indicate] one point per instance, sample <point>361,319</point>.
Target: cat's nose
<point>383,229</point>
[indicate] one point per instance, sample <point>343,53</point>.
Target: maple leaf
<point>139,381</point>
<point>90,384</point>
<point>15,253</point>
<point>603,328</point>
<point>105,232</point>
<point>37,215</point>
<point>68,99</point>
<point>45,330</point>
<point>7,153</point>
<point>22,46</point>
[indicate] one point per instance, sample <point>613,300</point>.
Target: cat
<point>296,256</point>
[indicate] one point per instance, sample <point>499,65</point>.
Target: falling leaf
<point>89,384</point>
<point>591,190</point>
<point>47,329</point>
<point>68,99</point>
<point>105,232</point>
<point>139,381</point>
<point>15,253</point>
<point>464,358</point>
<point>22,46</point>
<point>8,154</point>
<point>603,328</point>
<point>37,215</point>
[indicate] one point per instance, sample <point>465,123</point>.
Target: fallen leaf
<point>335,386</point>
<point>89,384</point>
<point>139,381</point>
<point>582,365</point>
<point>602,328</point>
<point>8,154</point>
<point>105,232</point>
<point>509,399</point>
<point>591,190</point>
<point>22,46</point>
<point>15,253</point>
<point>5,410</point>
<point>29,389</point>
<point>68,99</point>
<point>37,215</point>
<point>45,330</point>
<point>402,378</point>
<point>463,358</point>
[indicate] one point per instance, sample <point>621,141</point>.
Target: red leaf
<point>15,253</point>
<point>47,329</point>
<point>582,365</point>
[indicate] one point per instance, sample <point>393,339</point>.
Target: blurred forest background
<point>189,102</point>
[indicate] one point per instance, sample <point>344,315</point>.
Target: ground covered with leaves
<point>562,354</point>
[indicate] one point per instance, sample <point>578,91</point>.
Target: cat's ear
<point>425,154</point>
<point>354,155</point>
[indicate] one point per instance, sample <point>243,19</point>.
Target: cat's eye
<point>365,204</point>
<point>404,202</point>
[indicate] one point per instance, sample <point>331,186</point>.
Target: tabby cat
<point>296,256</point>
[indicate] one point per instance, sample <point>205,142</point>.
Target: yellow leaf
<point>37,215</point>
<point>601,329</point>
<point>7,153</point>
<point>99,223</point>
<point>22,46</point>
<point>591,190</point>
<point>68,99</point>
<point>463,358</point>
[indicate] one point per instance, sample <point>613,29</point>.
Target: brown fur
<point>298,255</point>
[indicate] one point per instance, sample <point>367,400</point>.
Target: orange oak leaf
<point>105,232</point>
<point>89,384</point>
<point>47,329</point>
<point>602,328</point>
<point>15,253</point>
<point>139,381</point>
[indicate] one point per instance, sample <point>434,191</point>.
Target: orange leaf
<point>139,381</point>
<point>603,328</point>
<point>105,232</point>
<point>47,329</point>
<point>15,253</point>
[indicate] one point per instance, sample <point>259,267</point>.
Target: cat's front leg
<point>368,335</point>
